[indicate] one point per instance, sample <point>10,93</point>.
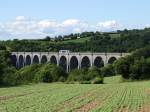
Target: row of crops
<point>123,97</point>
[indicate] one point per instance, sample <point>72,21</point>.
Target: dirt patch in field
<point>148,92</point>
<point>145,108</point>
<point>87,107</point>
<point>14,96</point>
<point>122,109</point>
<point>70,102</point>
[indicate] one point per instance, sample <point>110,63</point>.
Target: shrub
<point>9,77</point>
<point>122,66</point>
<point>26,75</point>
<point>97,80</point>
<point>84,76</point>
<point>50,73</point>
<point>6,69</point>
<point>92,73</point>
<point>108,70</point>
<point>77,75</point>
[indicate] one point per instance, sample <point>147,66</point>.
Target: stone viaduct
<point>68,61</point>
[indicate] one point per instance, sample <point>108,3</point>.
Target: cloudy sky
<point>38,18</point>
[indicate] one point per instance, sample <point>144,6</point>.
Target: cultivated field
<point>109,97</point>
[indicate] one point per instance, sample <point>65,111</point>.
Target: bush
<point>135,66</point>
<point>26,75</point>
<point>92,73</point>
<point>77,75</point>
<point>97,80</point>
<point>50,73</point>
<point>84,76</point>
<point>122,66</point>
<point>9,77</point>
<point>108,70</point>
<point>140,69</point>
<point>40,73</point>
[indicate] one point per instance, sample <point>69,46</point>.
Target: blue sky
<point>54,17</point>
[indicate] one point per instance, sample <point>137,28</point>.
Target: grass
<point>80,40</point>
<point>112,96</point>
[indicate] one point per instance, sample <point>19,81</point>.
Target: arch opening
<point>36,60</point>
<point>73,63</point>
<point>14,60</point>
<point>112,60</point>
<point>21,61</point>
<point>85,63</point>
<point>53,60</point>
<point>63,63</point>
<point>44,59</point>
<point>28,60</point>
<point>98,62</point>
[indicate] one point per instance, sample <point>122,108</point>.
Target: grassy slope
<point>82,40</point>
<point>113,96</point>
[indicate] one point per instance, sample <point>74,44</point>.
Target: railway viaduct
<point>68,61</point>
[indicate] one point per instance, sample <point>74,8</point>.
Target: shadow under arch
<point>14,60</point>
<point>36,60</point>
<point>73,63</point>
<point>44,59</point>
<point>28,60</point>
<point>21,61</point>
<point>98,62</point>
<point>53,60</point>
<point>85,63</point>
<point>112,60</point>
<point>63,63</point>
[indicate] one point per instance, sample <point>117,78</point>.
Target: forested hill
<point>120,41</point>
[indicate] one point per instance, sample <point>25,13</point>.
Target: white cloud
<point>70,22</point>
<point>108,25</point>
<point>23,27</point>
<point>20,18</point>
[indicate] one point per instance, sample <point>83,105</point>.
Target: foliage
<point>9,77</point>
<point>121,41</point>
<point>108,70</point>
<point>122,66</point>
<point>135,66</point>
<point>50,73</point>
<point>27,74</point>
<point>40,73</point>
<point>6,69</point>
<point>97,80</point>
<point>84,75</point>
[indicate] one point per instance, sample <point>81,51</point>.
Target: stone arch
<point>36,59</point>
<point>111,60</point>
<point>98,62</point>
<point>73,63</point>
<point>63,63</point>
<point>28,60</point>
<point>85,62</point>
<point>53,60</point>
<point>44,59</point>
<point>21,61</point>
<point>14,60</point>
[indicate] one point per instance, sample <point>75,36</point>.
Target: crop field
<point>108,97</point>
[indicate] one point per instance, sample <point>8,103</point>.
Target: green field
<point>80,40</point>
<point>109,97</point>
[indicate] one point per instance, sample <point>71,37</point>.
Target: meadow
<point>112,96</point>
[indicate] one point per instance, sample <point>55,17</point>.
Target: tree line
<point>125,41</point>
